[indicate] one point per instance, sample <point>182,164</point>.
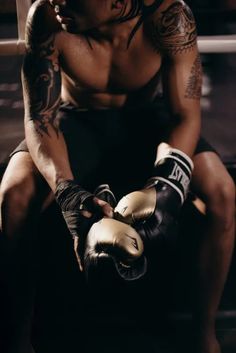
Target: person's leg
<point>216,189</point>
<point>22,192</point>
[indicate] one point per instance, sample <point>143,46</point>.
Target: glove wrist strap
<point>174,169</point>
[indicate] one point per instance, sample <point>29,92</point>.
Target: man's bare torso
<point>97,73</point>
<point>104,76</point>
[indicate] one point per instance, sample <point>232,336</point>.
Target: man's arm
<point>174,35</point>
<point>42,94</point>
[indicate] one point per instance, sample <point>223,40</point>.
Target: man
<point>104,60</point>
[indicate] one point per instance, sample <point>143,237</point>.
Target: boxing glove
<point>114,245</point>
<point>154,210</point>
<point>111,243</point>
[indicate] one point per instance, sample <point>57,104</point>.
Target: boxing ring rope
<point>217,44</point>
<point>22,8</point>
<point>206,44</point>
<point>17,46</point>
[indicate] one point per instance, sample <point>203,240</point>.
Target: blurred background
<point>213,17</point>
<point>218,102</point>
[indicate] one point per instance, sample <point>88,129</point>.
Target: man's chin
<point>75,29</point>
<point>71,29</point>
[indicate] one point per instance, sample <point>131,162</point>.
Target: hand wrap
<point>73,200</point>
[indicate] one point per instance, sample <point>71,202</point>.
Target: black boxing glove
<point>111,244</point>
<point>154,210</point>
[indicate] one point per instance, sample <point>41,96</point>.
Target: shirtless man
<point>104,59</point>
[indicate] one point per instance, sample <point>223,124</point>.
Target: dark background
<point>218,103</point>
<point>61,324</point>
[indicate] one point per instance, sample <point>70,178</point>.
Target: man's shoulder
<point>172,26</point>
<point>171,9</point>
<point>41,23</point>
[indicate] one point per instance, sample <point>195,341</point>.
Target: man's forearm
<point>184,136</point>
<point>49,154</point>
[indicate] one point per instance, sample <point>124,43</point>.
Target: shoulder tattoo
<point>175,32</point>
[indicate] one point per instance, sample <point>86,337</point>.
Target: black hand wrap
<point>73,200</point>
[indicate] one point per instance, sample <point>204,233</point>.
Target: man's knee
<point>18,195</point>
<point>220,202</point>
<point>15,201</point>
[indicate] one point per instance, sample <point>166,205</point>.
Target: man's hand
<point>80,209</point>
<point>111,245</point>
<point>154,210</point>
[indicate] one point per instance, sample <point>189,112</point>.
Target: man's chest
<point>98,68</point>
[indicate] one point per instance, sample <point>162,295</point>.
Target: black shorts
<point>115,146</point>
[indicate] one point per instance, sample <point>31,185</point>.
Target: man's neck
<point>117,31</point>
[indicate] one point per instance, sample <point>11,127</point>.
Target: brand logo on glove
<point>134,241</point>
<point>179,175</point>
<point>124,209</point>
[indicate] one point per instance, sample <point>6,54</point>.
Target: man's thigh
<point>211,180</point>
<point>22,183</point>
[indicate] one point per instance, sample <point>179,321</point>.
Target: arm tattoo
<point>194,85</point>
<point>175,32</point>
<point>43,86</point>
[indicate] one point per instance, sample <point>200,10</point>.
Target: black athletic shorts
<point>114,146</point>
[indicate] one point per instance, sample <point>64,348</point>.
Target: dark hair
<point>138,8</point>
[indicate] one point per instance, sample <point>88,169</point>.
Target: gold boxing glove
<point>113,243</point>
<point>154,210</point>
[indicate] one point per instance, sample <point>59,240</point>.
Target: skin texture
<point>94,68</point>
<point>80,53</point>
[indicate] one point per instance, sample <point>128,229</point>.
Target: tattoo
<point>43,86</point>
<point>176,31</point>
<point>194,85</point>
